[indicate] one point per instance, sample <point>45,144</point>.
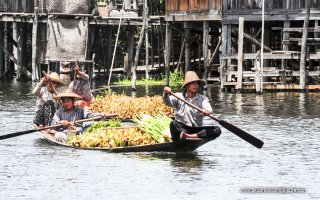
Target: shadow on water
<point>182,162</point>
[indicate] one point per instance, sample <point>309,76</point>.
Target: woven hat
<point>67,93</point>
<point>54,76</point>
<point>192,76</point>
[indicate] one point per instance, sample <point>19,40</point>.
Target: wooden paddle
<point>10,135</point>
<point>50,83</point>
<point>232,128</point>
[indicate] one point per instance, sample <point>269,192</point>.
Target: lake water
<point>288,123</point>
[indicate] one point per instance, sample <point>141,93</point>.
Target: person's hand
<point>45,79</point>
<point>167,90</point>
<point>76,69</point>
<point>64,123</point>
<point>105,115</point>
<point>205,112</point>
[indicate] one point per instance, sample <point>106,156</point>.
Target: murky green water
<point>288,123</point>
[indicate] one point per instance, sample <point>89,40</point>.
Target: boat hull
<point>183,145</point>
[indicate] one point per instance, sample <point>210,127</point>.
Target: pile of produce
<point>149,130</point>
<point>156,126</point>
<point>130,107</point>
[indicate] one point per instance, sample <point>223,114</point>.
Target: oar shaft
<point>11,135</point>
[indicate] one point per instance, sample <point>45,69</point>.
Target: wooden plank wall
<point>192,5</point>
<point>17,6</point>
<point>270,4</point>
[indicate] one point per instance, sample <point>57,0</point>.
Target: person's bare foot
<point>183,135</point>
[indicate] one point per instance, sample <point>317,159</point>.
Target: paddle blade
<point>242,134</point>
<point>11,135</point>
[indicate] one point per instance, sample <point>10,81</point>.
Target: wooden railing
<point>192,5</point>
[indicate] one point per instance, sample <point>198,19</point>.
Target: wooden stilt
<point>223,62</point>
<point>130,49</point>
<point>205,50</point>
<point>285,47</point>
<point>147,38</point>
<point>304,46</point>
<point>1,50</point>
<point>109,50</point>
<point>240,53</point>
<point>168,52</point>
<point>187,49</point>
<point>34,45</point>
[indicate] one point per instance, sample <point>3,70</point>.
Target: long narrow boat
<point>183,145</point>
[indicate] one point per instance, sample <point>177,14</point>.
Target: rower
<point>68,113</point>
<point>81,86</point>
<point>188,121</point>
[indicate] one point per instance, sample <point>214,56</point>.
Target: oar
<point>50,83</point>
<point>10,135</point>
<point>232,128</point>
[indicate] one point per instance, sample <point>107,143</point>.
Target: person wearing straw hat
<point>44,90</point>
<point>46,106</point>
<point>81,86</point>
<point>188,121</point>
<point>68,113</point>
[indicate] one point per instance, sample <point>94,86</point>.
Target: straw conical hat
<point>67,93</point>
<point>56,78</point>
<point>192,76</point>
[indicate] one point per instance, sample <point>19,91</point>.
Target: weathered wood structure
<point>220,39</point>
<point>50,32</point>
<point>290,59</point>
<point>192,27</point>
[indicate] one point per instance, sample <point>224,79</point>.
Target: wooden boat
<point>183,145</point>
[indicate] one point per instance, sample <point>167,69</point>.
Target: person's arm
<point>167,99</point>
<point>206,106</point>
<point>83,76</point>
<point>37,89</point>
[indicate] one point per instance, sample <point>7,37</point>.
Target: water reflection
<point>183,162</point>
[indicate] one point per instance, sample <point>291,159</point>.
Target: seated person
<point>68,113</point>
<point>188,121</point>
<point>46,106</point>
<point>81,86</point>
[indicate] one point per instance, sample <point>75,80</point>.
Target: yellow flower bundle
<point>131,107</point>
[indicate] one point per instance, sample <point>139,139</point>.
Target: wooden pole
<point>205,50</point>
<point>116,44</point>
<point>187,48</point>
<point>285,47</point>
<point>130,49</point>
<point>15,47</point>
<point>136,58</point>
<point>34,44</point>
<point>109,50</point>
<point>1,49</point>
<point>262,44</point>
<point>223,65</point>
<point>147,38</point>
<point>240,53</point>
<point>251,39</point>
<point>167,52</point>
<point>304,46</point>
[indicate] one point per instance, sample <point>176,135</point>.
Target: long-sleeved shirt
<point>78,113</point>
<point>185,113</point>
<point>81,87</point>
<point>43,95</point>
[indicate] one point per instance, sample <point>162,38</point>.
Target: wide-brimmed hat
<point>192,76</point>
<point>54,76</point>
<point>67,93</point>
